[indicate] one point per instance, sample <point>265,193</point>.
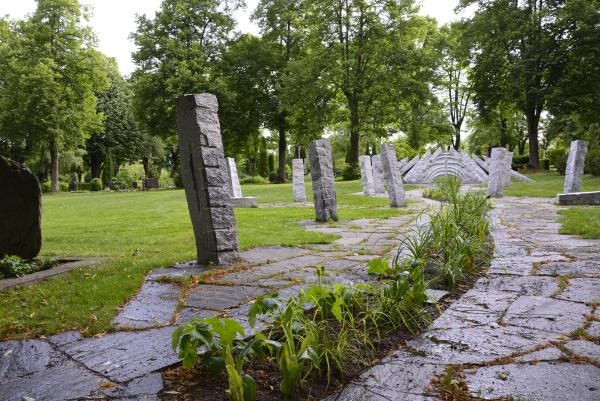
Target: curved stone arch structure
<point>441,170</point>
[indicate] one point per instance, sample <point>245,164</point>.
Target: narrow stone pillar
<point>234,180</point>
<point>496,173</point>
<point>378,182</point>
<point>506,167</point>
<point>204,173</point>
<point>366,175</point>
<point>321,172</point>
<point>393,179</point>
<point>575,165</point>
<point>299,191</point>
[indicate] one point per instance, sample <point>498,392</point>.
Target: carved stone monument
<point>321,172</point>
<point>496,173</point>
<point>507,167</point>
<point>575,164</point>
<point>393,179</point>
<point>378,179</point>
<point>204,174</point>
<point>234,180</point>
<point>366,175</point>
<point>299,191</point>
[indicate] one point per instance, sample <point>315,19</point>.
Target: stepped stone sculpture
<point>575,165</point>
<point>378,179</point>
<point>406,168</point>
<point>321,172</point>
<point>440,163</point>
<point>298,180</point>
<point>20,201</point>
<point>235,189</point>
<point>392,176</point>
<point>497,171</point>
<point>366,175</point>
<point>204,173</point>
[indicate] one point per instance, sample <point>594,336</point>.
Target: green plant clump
<point>256,179</point>
<point>96,185</point>
<point>14,266</point>
<point>592,162</point>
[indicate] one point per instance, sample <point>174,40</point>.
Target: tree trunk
<point>456,142</point>
<point>53,165</point>
<point>282,153</point>
<point>96,159</point>
<point>354,130</point>
<point>532,132</point>
<point>503,132</point>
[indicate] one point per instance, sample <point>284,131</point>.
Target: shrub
<point>351,172</point>
<point>63,186</point>
<point>545,164</point>
<point>14,266</point>
<point>45,186</point>
<point>558,158</point>
<point>592,162</point>
<point>257,179</point>
<point>273,176</point>
<point>520,159</point>
<point>96,184</point>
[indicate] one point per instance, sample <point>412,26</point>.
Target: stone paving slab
<point>218,297</point>
<point>155,304</point>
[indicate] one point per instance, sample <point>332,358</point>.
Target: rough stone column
<point>496,173</point>
<point>393,179</point>
<point>321,172</point>
<point>298,180</point>
<point>204,173</point>
<point>366,175</point>
<point>507,167</point>
<point>234,180</point>
<point>378,182</point>
<point>575,164</point>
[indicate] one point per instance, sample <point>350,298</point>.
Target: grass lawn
<point>548,185</point>
<point>136,232</point>
<point>583,221</point>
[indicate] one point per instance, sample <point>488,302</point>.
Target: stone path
<point>125,365</point>
<point>520,332</point>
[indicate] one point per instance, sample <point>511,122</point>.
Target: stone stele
<point>378,180</point>
<point>575,164</point>
<point>496,173</point>
<point>321,172</point>
<point>234,180</point>
<point>205,178</point>
<point>366,175</point>
<point>392,176</point>
<point>299,191</point>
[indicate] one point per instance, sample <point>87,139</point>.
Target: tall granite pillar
<point>377,166</point>
<point>366,175</point>
<point>234,180</point>
<point>321,172</point>
<point>393,179</point>
<point>496,173</point>
<point>204,173</point>
<point>575,164</point>
<point>506,167</point>
<point>299,190</point>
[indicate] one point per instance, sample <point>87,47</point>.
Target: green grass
<point>133,233</point>
<point>548,185</point>
<point>583,221</point>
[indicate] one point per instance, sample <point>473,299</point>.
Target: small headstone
<point>321,172</point>
<point>496,173</point>
<point>299,190</point>
<point>366,175</point>
<point>234,181</point>
<point>378,180</point>
<point>204,174</point>
<point>20,202</point>
<point>575,165</point>
<point>393,179</point>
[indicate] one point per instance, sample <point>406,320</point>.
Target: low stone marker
<point>234,180</point>
<point>496,173</point>
<point>579,198</point>
<point>204,174</point>
<point>393,179</point>
<point>299,191</point>
<point>321,172</point>
<point>575,164</point>
<point>378,179</point>
<point>366,175</point>
<point>20,203</point>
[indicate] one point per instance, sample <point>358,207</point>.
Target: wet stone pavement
<point>511,334</point>
<point>520,332</point>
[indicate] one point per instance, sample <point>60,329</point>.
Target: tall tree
<point>57,65</point>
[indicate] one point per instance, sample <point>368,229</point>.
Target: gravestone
<point>378,180</point>
<point>496,173</point>
<point>204,174</point>
<point>366,175</point>
<point>73,185</point>
<point>393,179</point>
<point>20,201</point>
<point>299,191</point>
<point>321,172</point>
<point>234,181</point>
<point>575,164</point>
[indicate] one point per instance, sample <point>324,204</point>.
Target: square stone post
<point>575,165</point>
<point>204,173</point>
<point>496,173</point>
<point>299,191</point>
<point>377,174</point>
<point>393,179</point>
<point>321,172</point>
<point>234,180</point>
<point>366,175</point>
